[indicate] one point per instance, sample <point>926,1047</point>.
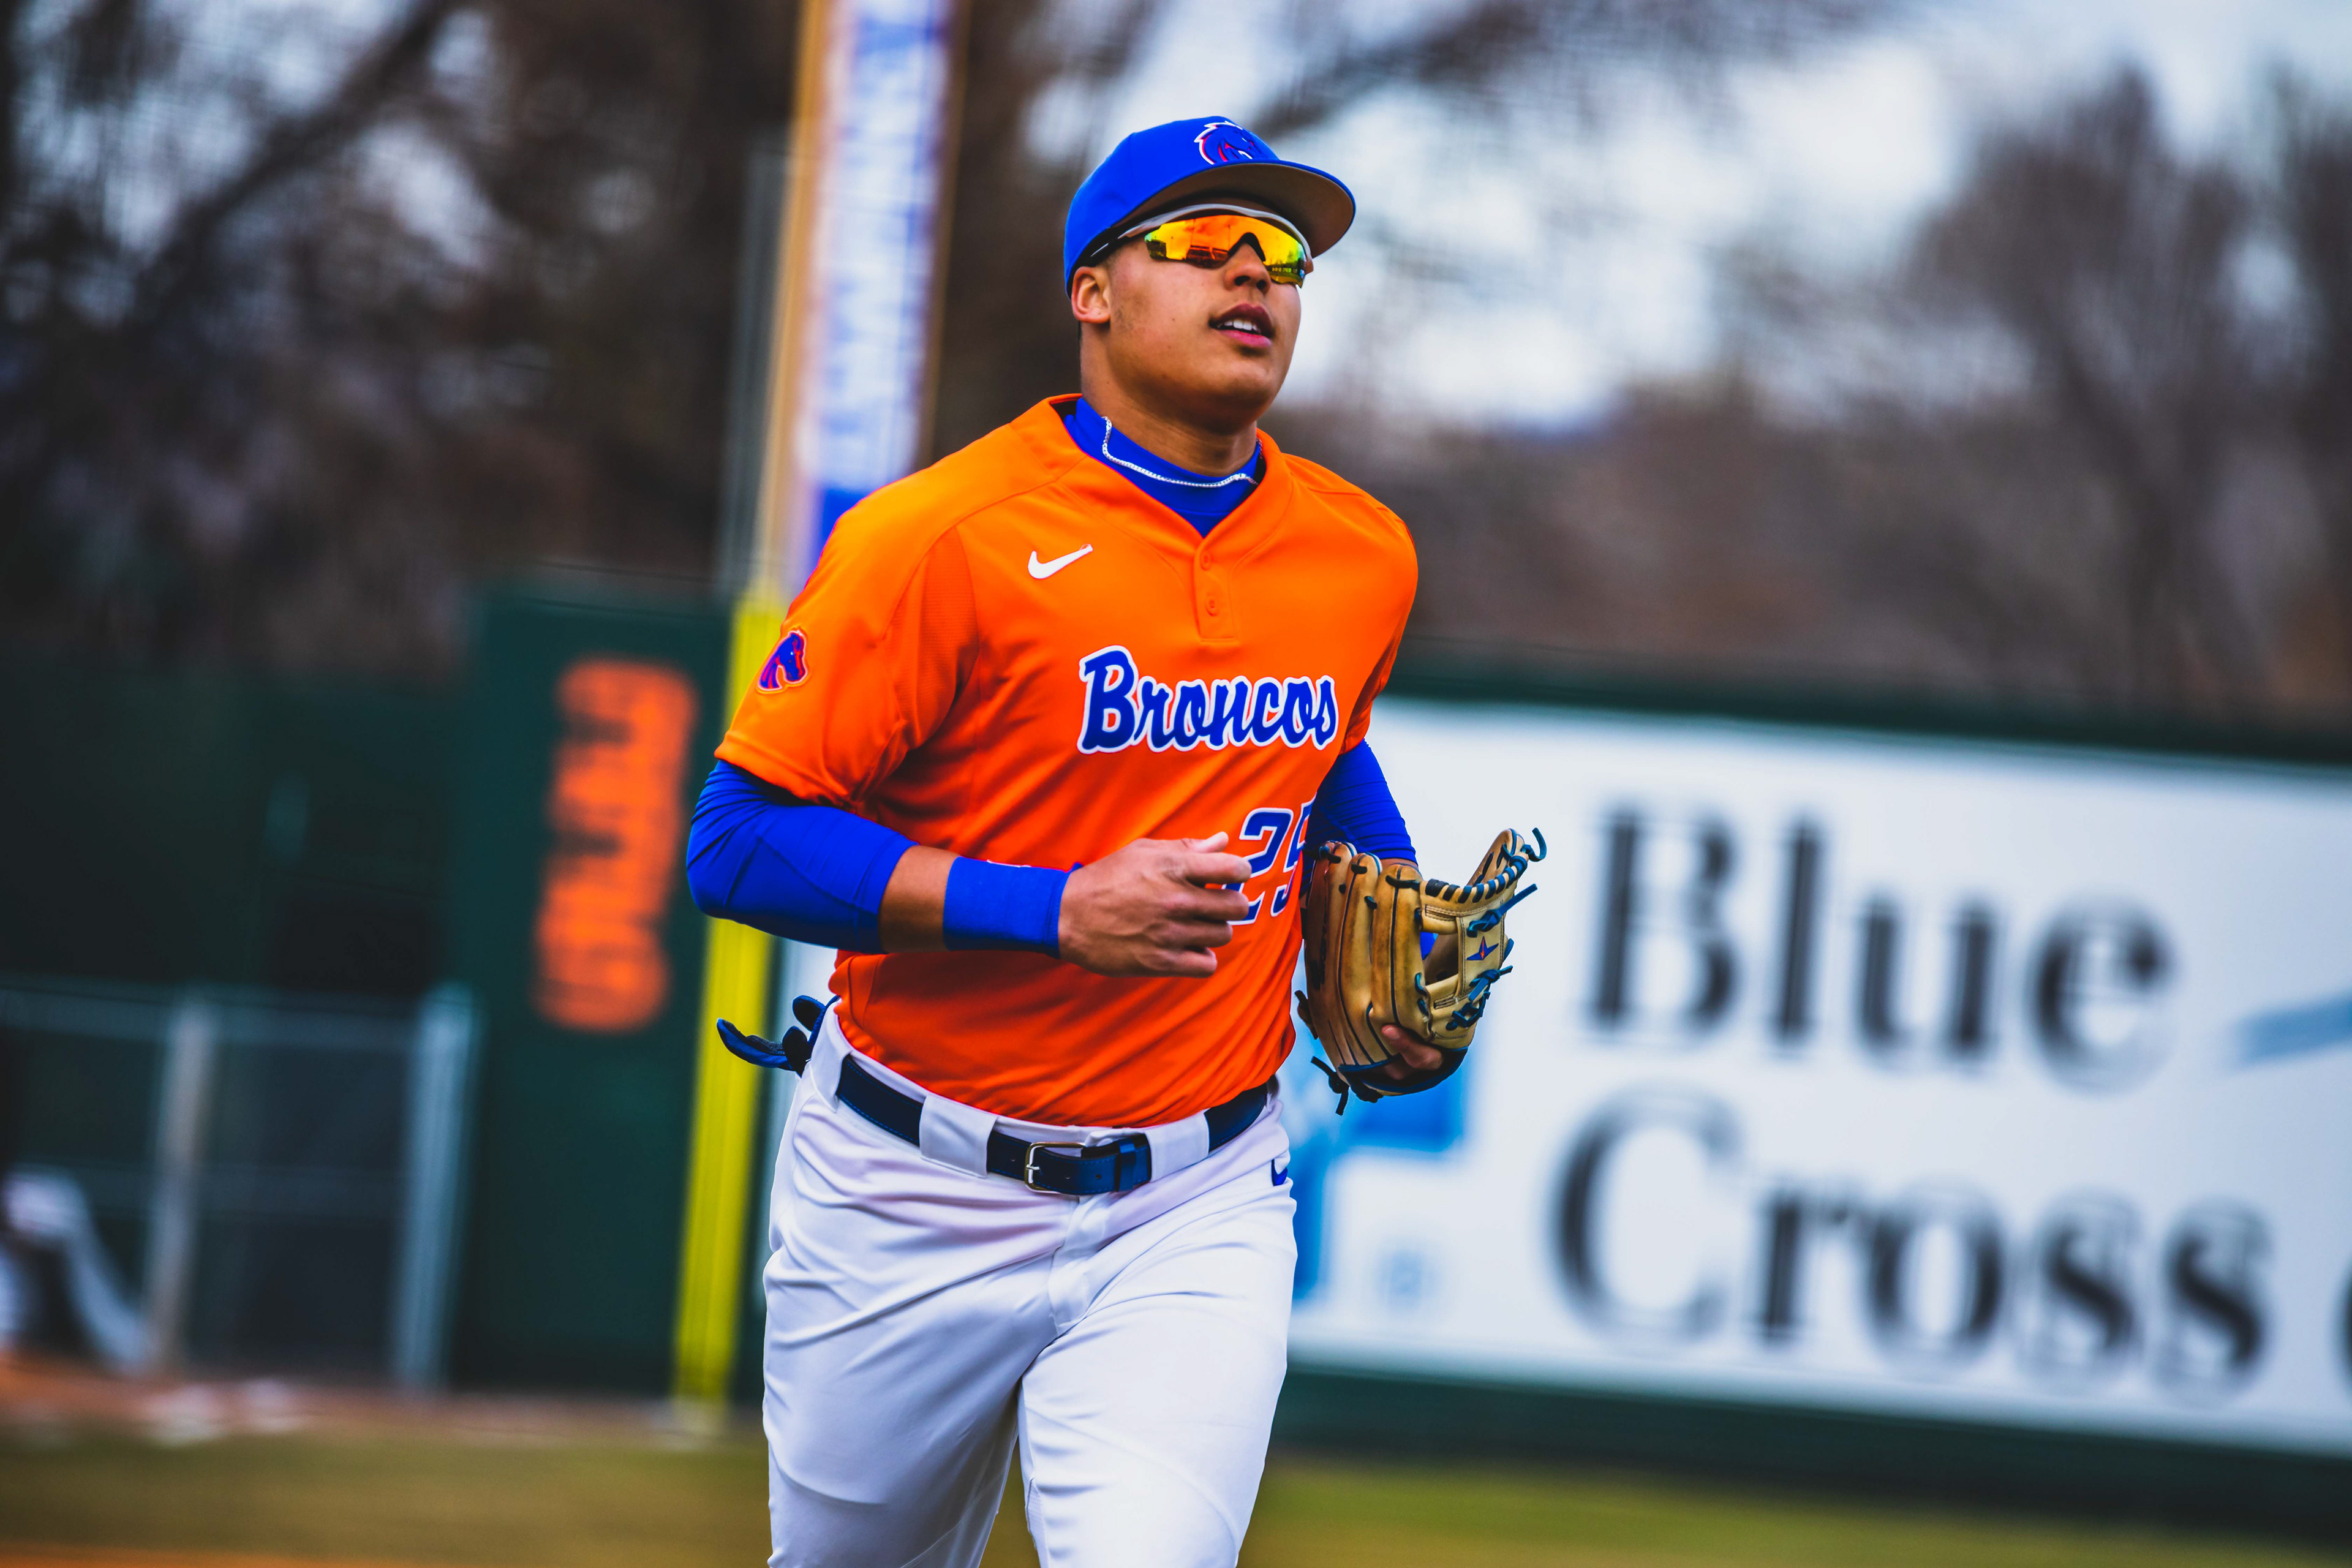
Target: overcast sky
<point>1603,243</point>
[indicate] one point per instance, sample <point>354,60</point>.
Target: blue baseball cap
<point>1201,158</point>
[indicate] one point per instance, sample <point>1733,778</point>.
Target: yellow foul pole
<point>839,40</point>
<point>741,963</point>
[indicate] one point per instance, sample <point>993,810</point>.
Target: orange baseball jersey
<point>1016,655</point>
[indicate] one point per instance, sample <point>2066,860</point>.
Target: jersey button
<point>1216,607</point>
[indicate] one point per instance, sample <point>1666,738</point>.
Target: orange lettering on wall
<point>614,813</point>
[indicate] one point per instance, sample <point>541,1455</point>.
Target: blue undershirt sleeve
<point>817,874</point>
<point>1355,806</point>
<point>812,873</point>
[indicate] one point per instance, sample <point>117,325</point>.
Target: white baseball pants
<point>921,1316</point>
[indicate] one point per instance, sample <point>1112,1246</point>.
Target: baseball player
<point>1040,749</point>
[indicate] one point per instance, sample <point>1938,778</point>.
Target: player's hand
<point>1413,1054</point>
<point>1159,906</point>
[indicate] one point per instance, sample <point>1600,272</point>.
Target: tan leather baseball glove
<point>1386,945</point>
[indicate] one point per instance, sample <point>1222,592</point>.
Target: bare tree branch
<point>1547,44</point>
<point>299,145</point>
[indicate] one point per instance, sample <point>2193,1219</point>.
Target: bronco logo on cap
<point>1222,142</point>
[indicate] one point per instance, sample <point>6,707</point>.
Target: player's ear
<point>1090,295</point>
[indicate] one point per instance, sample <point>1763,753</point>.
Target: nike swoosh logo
<point>1041,570</point>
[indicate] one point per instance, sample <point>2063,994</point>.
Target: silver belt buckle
<point>1029,1164</point>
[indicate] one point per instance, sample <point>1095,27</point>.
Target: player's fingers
<point>1214,842</point>
<point>1189,963</point>
<point>1218,903</point>
<point>1416,1053</point>
<point>1197,928</point>
<point>1194,928</point>
<point>1213,871</point>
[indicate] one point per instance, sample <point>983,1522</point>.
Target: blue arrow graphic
<point>2295,1031</point>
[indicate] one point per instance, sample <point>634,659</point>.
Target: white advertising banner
<point>1933,1078</point>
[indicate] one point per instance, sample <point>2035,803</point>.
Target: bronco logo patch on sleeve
<point>788,666</point>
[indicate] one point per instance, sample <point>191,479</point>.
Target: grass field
<point>243,1502</point>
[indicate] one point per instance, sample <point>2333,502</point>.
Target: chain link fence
<point>235,1179</point>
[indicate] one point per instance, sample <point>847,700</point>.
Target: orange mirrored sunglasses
<point>1207,240</point>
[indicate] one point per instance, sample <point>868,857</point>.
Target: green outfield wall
<point>348,837</point>
<point>170,828</point>
<point>587,731</point>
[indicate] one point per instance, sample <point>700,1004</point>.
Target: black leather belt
<point>1073,1170</point>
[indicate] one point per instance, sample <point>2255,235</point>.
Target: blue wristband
<point>1016,908</point>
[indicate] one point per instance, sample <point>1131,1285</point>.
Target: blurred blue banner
<point>876,166</point>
